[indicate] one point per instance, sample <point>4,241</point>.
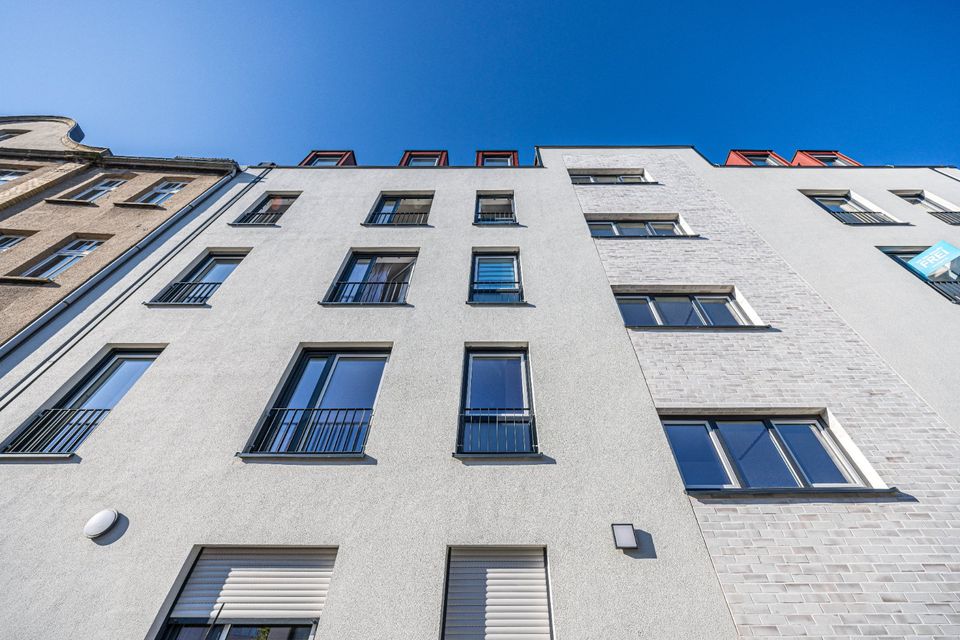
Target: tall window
<point>252,593</point>
<point>8,175</point>
<point>268,210</point>
<point>496,416</point>
<point>707,310</point>
<point>757,453</point>
<point>495,208</point>
<point>161,192</point>
<point>64,427</point>
<point>947,213</point>
<point>9,240</point>
<point>202,281</point>
<point>496,278</point>
<point>98,190</point>
<point>635,228</point>
<point>373,279</point>
<point>497,592</point>
<point>401,210</point>
<point>326,405</point>
<point>62,259</point>
<point>850,210</point>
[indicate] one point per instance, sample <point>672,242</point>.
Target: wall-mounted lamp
<point>624,536</point>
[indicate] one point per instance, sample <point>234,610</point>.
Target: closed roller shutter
<point>256,584</point>
<point>497,593</point>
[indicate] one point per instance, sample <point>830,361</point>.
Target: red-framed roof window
<point>498,158</point>
<point>434,158</point>
<point>754,158</point>
<point>822,158</point>
<point>329,159</point>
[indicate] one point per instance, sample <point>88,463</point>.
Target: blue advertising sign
<point>934,259</point>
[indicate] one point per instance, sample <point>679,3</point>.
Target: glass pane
<point>633,229</point>
<point>605,179</point>
<point>325,161</point>
<point>388,205</point>
<point>632,178</point>
<point>636,312</point>
<point>496,204</point>
<point>258,632</point>
<point>665,228</point>
<point>217,270</point>
<point>719,312</point>
<point>756,456</point>
<point>678,311</point>
<point>414,205</point>
<point>696,456</point>
<point>194,632</point>
<point>51,267</point>
<point>498,270</point>
<point>601,229</point>
<point>501,161</point>
<point>353,383</point>
<point>422,161</point>
<point>357,270</point>
<point>111,385</point>
<point>807,449</point>
<point>305,390</point>
<point>833,204</point>
<point>496,382</point>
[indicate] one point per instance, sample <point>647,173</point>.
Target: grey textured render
<point>869,564</point>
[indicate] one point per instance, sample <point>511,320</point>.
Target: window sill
<point>253,224</point>
<point>176,305</point>
<point>393,226</point>
<point>519,303</point>
<point>614,184</point>
<point>78,203</point>
<point>324,303</point>
<point>25,280</point>
<point>138,205</point>
<point>739,327</point>
<point>300,457</point>
<point>815,492</point>
<point>497,224</point>
<point>683,237</point>
<point>498,456</point>
<point>876,224</point>
<point>38,457</point>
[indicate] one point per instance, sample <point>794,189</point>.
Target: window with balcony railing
<point>63,427</point>
<point>938,208</point>
<point>495,208</point>
<point>268,210</point>
<point>325,407</point>
<point>373,279</point>
<point>947,282</point>
<point>201,282</point>
<point>496,279</point>
<point>401,210</point>
<point>850,210</point>
<point>496,417</point>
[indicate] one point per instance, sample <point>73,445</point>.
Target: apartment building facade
<point>579,399</point>
<point>71,213</point>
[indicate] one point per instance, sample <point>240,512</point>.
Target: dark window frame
<point>949,289</point>
<point>498,219</point>
<point>411,219</point>
<point>516,290</point>
<point>391,293</point>
<point>730,298</point>
<point>187,291</point>
<point>256,216</point>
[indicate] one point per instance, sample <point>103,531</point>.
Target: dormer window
<point>824,158</point>
<point>830,160</point>
<point>497,159</point>
<point>329,159</point>
<point>762,160</point>
<point>424,159</point>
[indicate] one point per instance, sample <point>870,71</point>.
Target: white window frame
<point>65,250</point>
<point>767,158</point>
<point>14,240</point>
<point>413,158</point>
<point>162,191</point>
<point>830,159</point>
<point>98,189</point>
<point>9,175</point>
<point>497,156</point>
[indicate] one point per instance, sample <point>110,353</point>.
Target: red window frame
<point>498,153</point>
<point>740,157</point>
<point>409,154</point>
<point>347,158</point>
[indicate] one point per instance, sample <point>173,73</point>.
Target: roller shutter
<point>256,584</point>
<point>497,593</point>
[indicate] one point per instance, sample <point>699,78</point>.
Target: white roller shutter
<point>256,584</point>
<point>497,593</point>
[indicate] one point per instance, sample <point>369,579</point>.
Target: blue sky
<point>267,81</point>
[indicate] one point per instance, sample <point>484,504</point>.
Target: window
<point>61,260</point>
<point>935,207</point>
<point>757,454</point>
<point>63,428</point>
<point>325,406</point>
<point>202,281</point>
<point>947,282</point>
<point>161,192</point>
<point>635,228</point>
<point>665,310</point>
<point>762,160</point>
<point>401,210</point>
<point>6,134</point>
<point>497,158</point>
<point>373,279</point>
<point>850,210</point>
<point>497,592</point>
<point>586,177</point>
<point>424,159</point>
<point>98,190</point>
<point>268,210</point>
<point>329,159</point>
<point>496,416</point>
<point>496,278</point>
<point>495,208</point>
<point>9,240</point>
<point>829,160</point>
<point>9,175</point>
<point>252,593</point>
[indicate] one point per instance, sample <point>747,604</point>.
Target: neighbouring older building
<point>587,398</point>
<point>69,212</point>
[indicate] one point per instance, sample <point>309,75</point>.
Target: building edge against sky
<point>280,386</point>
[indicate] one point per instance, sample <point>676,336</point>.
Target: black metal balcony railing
<point>496,292</point>
<point>863,217</point>
<point>950,217</point>
<point>369,293</point>
<point>260,217</point>
<point>323,431</point>
<point>495,217</point>
<point>949,288</point>
<point>187,293</point>
<point>497,432</point>
<point>399,219</point>
<point>57,431</point>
